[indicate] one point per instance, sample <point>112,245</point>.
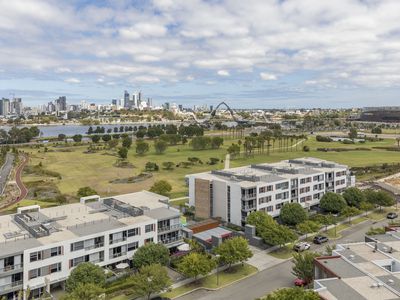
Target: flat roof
<point>207,234</point>
<point>65,222</point>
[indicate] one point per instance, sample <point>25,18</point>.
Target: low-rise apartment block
<point>233,193</point>
<point>361,271</point>
<point>40,247</point>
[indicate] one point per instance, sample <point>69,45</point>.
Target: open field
<point>97,169</point>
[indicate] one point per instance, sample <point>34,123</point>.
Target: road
<point>5,171</point>
<point>278,276</point>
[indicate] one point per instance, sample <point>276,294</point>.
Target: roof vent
<point>390,281</point>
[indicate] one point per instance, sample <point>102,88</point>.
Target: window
<point>270,208</point>
<point>264,189</point>
<point>149,240</point>
<point>149,228</point>
<point>264,199</point>
<point>34,273</point>
<point>35,256</point>
<point>270,188</point>
<point>55,251</point>
<point>133,246</point>
<point>283,185</point>
<point>55,268</point>
<point>278,206</point>
<point>77,246</point>
<point>133,232</point>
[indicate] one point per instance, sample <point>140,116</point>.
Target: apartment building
<point>40,247</point>
<point>233,193</point>
<point>361,271</point>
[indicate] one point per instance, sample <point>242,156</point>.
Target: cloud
<point>267,76</point>
<point>223,73</point>
<point>72,80</point>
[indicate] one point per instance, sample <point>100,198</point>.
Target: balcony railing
<point>168,228</point>
<point>248,207</point>
<point>171,240</point>
<point>11,285</point>
<point>11,268</point>
<point>98,245</point>
<point>115,255</point>
<point>117,240</point>
<point>249,196</point>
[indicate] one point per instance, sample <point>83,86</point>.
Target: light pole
<point>217,256</point>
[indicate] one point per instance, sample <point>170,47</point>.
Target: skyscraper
<point>61,103</point>
<point>126,99</point>
<point>4,107</point>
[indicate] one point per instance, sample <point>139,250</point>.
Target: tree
<point>324,219</point>
<point>151,279</point>
<point>160,146</point>
<point>350,211</point>
<point>123,152</point>
<point>306,148</point>
<point>278,235</point>
<point>161,187</point>
<point>307,227</point>
<point>304,265</point>
<point>379,198</point>
<point>234,250</point>
<point>292,214</point>
<point>86,273</point>
<point>200,142</point>
<point>195,264</point>
<point>95,138</point>
<point>112,144</point>
<point>141,147</point>
<point>296,293</point>
<point>150,254</point>
<point>106,137</point>
<point>61,137</point>
<point>151,167</point>
<point>234,150</point>
<point>353,133</point>
<point>216,142</point>
<point>366,206</point>
<point>126,142</point>
<point>168,165</point>
<point>332,202</point>
<point>260,220</point>
<point>89,291</point>
<point>353,196</point>
<point>77,138</point>
<point>376,130</point>
<point>86,191</point>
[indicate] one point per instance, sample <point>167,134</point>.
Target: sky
<point>248,53</point>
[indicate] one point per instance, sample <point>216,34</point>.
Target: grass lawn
<point>177,203</point>
<point>358,220</point>
<point>283,253</point>
<point>26,202</point>
<point>97,169</point>
<point>225,277</point>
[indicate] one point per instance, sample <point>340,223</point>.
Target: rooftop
<point>273,172</point>
<point>32,226</point>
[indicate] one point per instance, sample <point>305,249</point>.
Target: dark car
<point>320,239</point>
<point>392,215</point>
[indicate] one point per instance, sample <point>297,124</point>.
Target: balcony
<point>10,286</point>
<point>249,196</point>
<point>168,228</point>
<point>248,207</point>
<point>11,268</point>
<point>117,240</point>
<point>171,240</point>
<point>95,246</point>
<point>115,255</point>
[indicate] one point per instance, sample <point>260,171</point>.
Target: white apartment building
<point>40,247</point>
<point>232,194</point>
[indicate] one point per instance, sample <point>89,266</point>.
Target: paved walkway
<point>261,260</point>
<point>5,171</point>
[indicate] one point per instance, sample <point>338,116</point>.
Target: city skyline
<point>275,54</point>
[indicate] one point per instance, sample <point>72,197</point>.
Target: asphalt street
<point>278,276</point>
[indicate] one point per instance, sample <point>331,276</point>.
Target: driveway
<point>261,260</point>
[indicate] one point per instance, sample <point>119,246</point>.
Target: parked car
<point>320,239</point>
<point>392,215</point>
<point>299,247</point>
<point>300,282</point>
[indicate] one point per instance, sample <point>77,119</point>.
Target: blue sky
<point>253,53</point>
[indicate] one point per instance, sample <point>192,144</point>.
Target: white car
<point>299,247</point>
